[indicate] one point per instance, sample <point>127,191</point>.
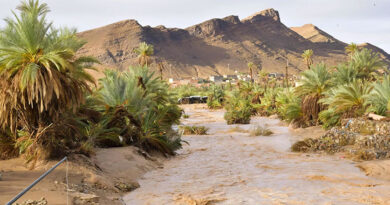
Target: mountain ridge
<point>216,46</point>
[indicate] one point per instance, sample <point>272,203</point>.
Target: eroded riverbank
<point>228,167</point>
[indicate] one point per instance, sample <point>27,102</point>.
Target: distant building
<point>216,78</point>
<point>276,75</point>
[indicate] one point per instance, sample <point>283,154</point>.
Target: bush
<point>215,97</point>
<point>194,130</point>
<point>137,109</point>
<point>260,131</point>
<point>238,110</point>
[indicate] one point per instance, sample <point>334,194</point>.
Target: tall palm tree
<point>307,57</point>
<point>367,63</point>
<point>40,75</point>
<point>312,87</point>
<point>144,52</point>
<point>161,68</point>
<point>351,49</point>
<point>251,66</point>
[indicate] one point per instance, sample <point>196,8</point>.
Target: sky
<point>355,21</point>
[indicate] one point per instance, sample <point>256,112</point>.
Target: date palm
<point>41,77</point>
<point>307,57</point>
<point>379,98</point>
<point>144,52</point>
<point>251,67</point>
<point>366,62</point>
<point>312,86</point>
<point>349,100</point>
<point>351,49</point>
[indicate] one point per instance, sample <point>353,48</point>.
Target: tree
<point>251,66</point>
<point>307,57</point>
<point>161,68</point>
<point>41,77</point>
<point>144,52</point>
<point>351,49</point>
<point>348,100</point>
<point>366,63</point>
<point>312,86</point>
<point>379,98</point>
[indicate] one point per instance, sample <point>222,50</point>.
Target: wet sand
<point>227,167</point>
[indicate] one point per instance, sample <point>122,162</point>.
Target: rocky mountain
<point>217,46</point>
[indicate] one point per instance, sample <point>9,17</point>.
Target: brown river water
<point>226,167</point>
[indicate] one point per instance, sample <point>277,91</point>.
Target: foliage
<point>379,98</point>
<point>238,109</point>
<point>141,108</point>
<point>366,62</point>
<point>351,49</point>
<point>348,100</point>
<point>144,51</point>
<point>215,96</point>
<point>312,86</point>
<point>194,130</point>
<point>288,105</point>
<point>260,131</point>
<point>41,79</point>
<point>307,57</point>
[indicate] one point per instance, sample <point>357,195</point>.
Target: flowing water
<point>227,167</point>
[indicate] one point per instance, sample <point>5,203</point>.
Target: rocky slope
<point>216,46</point>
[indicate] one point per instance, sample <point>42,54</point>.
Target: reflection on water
<point>233,168</point>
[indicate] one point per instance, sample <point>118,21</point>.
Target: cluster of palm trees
<point>48,107</point>
<point>352,89</point>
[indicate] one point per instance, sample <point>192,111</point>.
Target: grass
<point>185,116</point>
<point>194,130</point>
<point>260,131</point>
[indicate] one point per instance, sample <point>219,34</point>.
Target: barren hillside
<point>216,46</point>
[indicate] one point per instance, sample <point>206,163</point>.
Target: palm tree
<point>312,86</point>
<point>145,113</point>
<point>307,57</point>
<point>251,66</point>
<point>351,49</point>
<point>348,100</point>
<point>144,52</point>
<point>41,77</point>
<point>344,74</point>
<point>379,98</point>
<point>366,62</point>
<point>161,68</point>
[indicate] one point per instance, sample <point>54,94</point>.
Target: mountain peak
<point>265,14</point>
<point>314,34</point>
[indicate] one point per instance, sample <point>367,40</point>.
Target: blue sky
<point>348,20</point>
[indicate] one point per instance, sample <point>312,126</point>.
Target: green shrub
<point>260,131</point>
<point>216,96</point>
<point>238,110</point>
<point>185,116</point>
<point>194,130</point>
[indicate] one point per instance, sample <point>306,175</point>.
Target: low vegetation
<point>194,130</point>
<point>260,131</point>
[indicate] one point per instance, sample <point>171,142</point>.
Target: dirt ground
<point>94,180</point>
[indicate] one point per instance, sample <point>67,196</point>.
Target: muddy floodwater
<point>230,167</point>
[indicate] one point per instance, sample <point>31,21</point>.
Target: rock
<point>81,198</point>
<point>363,139</point>
<point>127,187</point>
<point>375,117</point>
<point>42,201</point>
